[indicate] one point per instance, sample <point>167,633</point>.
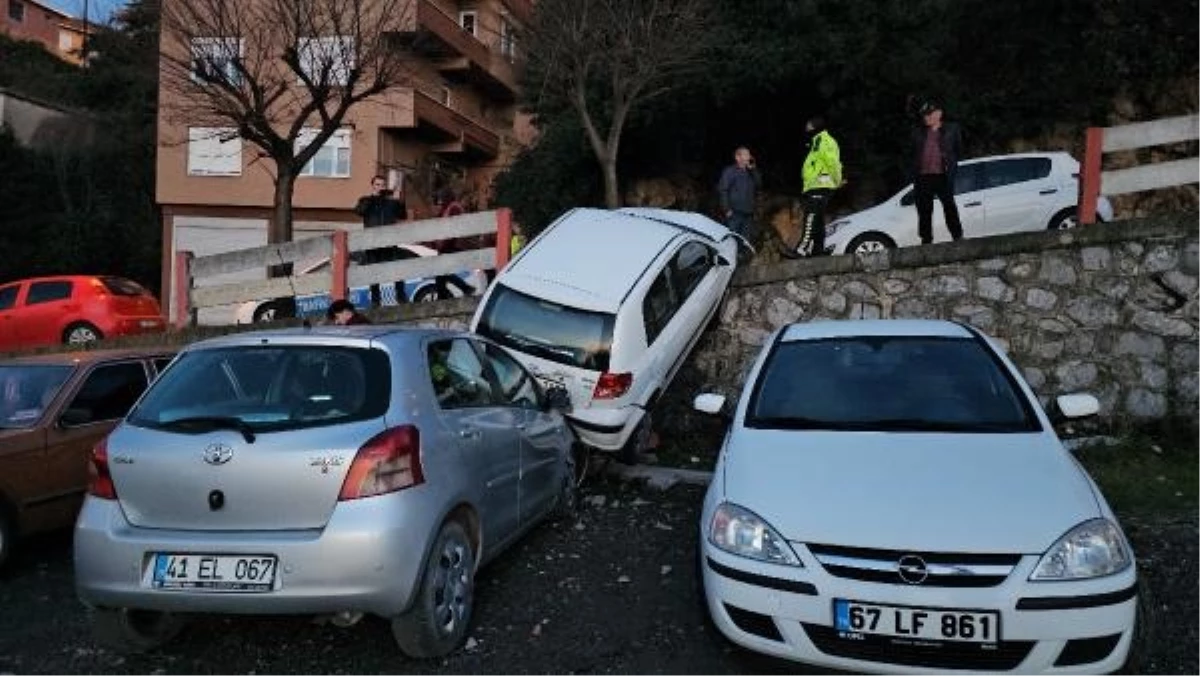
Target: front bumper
<point>788,612</point>
<point>353,564</point>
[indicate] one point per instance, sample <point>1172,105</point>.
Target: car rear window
<point>552,331</point>
<point>119,286</point>
<point>268,388</point>
<point>888,384</point>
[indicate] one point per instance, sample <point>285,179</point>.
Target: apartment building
<point>457,126</point>
<point>61,34</point>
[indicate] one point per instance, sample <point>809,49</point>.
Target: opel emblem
<point>912,569</point>
<point>218,454</point>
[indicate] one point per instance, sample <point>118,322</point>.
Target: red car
<point>74,309</point>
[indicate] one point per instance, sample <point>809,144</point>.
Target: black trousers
<point>928,186</point>
<point>812,234</point>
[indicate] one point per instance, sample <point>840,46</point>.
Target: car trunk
<point>579,383</point>
<point>128,298</point>
<point>215,480</point>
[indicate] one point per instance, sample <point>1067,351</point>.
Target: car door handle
<point>468,433</point>
<point>972,204</point>
<point>1048,191</point>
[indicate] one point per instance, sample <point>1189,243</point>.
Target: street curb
<point>660,477</point>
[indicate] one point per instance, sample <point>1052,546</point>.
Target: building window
<point>326,60</point>
<point>214,151</point>
<point>217,60</point>
<point>469,21</point>
<point>332,159</point>
<point>508,38</point>
<point>65,43</point>
<point>16,10</point>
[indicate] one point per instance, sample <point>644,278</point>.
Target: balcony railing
<point>459,52</point>
<point>431,109</point>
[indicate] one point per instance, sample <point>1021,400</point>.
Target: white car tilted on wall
<point>891,498</point>
<point>997,195</point>
<point>608,304</point>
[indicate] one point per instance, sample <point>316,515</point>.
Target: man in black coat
<point>936,147</point>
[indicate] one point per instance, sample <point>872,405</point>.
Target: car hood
<point>999,493</point>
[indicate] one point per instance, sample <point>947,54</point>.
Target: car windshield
<point>28,390</point>
<point>548,330</point>
<point>267,389</point>
<point>888,384</point>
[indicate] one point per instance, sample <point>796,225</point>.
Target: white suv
<point>996,195</point>
<point>608,304</point>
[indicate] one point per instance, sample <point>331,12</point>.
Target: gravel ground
<point>612,593</point>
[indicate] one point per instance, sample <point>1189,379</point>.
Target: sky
<point>98,10</point>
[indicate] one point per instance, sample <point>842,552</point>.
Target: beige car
<point>53,409</point>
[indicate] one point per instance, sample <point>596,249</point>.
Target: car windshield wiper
<point>215,422</point>
<point>792,423</point>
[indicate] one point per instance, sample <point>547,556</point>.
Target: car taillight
<point>389,462</point>
<point>100,482</point>
<point>612,385</point>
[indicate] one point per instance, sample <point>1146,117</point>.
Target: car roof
<point>91,356</point>
<point>56,278</point>
<point>849,328</point>
<point>1052,154</point>
<point>326,334</point>
<point>590,258</point>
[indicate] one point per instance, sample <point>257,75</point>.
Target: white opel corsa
<point>891,497</point>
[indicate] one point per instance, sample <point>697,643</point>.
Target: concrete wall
<point>42,125</point>
<point>1110,309</point>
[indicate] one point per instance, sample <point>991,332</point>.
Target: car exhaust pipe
<point>346,618</point>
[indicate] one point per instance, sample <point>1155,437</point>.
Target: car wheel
<point>870,243</point>
<point>1064,220</point>
<point>81,333</point>
<point>437,621</point>
<point>273,311</point>
<point>427,294</point>
<point>568,495</point>
<point>638,441</point>
<point>134,631</point>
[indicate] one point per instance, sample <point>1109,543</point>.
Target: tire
<point>274,310</point>
<point>870,243</point>
<point>81,333</point>
<point>1066,219</point>
<point>638,440</point>
<point>427,294</point>
<point>437,621</point>
<point>567,502</point>
<point>130,631</point>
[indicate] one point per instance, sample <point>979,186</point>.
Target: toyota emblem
<point>218,454</point>
<point>912,569</point>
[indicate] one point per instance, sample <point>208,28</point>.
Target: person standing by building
<point>736,191</point>
<point>377,209</point>
<point>935,149</point>
<point>822,176</point>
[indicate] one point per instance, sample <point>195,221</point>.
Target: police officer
<point>822,175</point>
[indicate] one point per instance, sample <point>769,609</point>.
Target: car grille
<point>941,569</point>
<point>1002,656</point>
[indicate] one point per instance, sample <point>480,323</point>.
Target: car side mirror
<point>1074,406</point>
<point>558,399</point>
<point>74,417</point>
<point>712,404</point>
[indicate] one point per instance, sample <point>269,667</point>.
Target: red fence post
<point>340,265</point>
<point>1089,179</point>
<point>183,289</point>
<point>503,237</point>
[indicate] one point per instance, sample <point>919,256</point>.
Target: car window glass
<point>270,388</point>
<point>161,365</point>
<point>967,179</point>
<point>45,292</point>
<point>1016,170</point>
<point>516,385</point>
<point>659,306</point>
<point>458,376</point>
<point>26,391</point>
<point>689,266</point>
<point>109,391</point>
<point>551,331</point>
<point>8,296</point>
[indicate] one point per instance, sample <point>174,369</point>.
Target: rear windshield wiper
<point>215,422</point>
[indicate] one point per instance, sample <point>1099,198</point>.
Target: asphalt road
<point>613,593</point>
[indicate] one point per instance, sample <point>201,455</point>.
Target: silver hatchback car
<point>339,471</point>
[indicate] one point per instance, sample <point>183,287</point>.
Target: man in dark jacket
<point>379,208</point>
<point>936,147</point>
<point>735,190</point>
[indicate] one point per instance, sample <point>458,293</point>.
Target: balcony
<point>458,54</point>
<point>423,116</point>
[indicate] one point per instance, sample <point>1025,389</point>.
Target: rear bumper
<point>606,429</point>
<point>368,558</point>
<point>123,325</point>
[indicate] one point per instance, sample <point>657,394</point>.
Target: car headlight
<point>833,227</point>
<point>739,531</point>
<point>1092,549</point>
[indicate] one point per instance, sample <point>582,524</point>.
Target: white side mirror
<point>1078,405</point>
<point>711,404</point>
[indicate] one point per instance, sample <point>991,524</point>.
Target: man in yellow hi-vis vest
<point>822,176</point>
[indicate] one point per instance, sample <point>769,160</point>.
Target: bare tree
<point>607,57</point>
<point>282,74</point>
